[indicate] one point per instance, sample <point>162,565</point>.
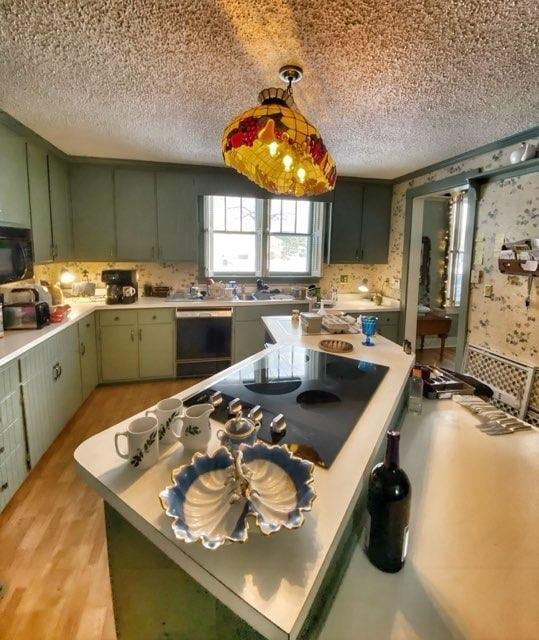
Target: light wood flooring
<point>53,558</point>
<point>432,357</point>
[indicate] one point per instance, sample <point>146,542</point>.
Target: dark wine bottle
<point>388,511</point>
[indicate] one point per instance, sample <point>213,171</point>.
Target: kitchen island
<point>274,587</point>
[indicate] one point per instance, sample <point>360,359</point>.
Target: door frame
<point>413,216</point>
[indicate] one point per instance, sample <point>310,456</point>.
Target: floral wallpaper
<point>509,207</point>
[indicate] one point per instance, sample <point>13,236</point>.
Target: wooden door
<point>156,350</point>
<point>176,217</point>
<point>376,220</point>
<point>92,199</point>
<point>14,199</point>
<point>88,355</point>
<point>62,232</point>
<point>134,195</point>
<point>119,352</point>
<point>346,217</point>
<point>38,181</point>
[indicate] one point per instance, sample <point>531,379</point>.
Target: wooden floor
<point>432,357</point>
<point>52,540</point>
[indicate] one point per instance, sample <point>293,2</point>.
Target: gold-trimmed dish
<point>335,346</point>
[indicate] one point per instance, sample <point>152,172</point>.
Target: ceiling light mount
<point>290,74</point>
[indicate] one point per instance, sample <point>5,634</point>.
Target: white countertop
<point>15,343</point>
<point>473,564</point>
<point>269,582</point>
<point>354,304</point>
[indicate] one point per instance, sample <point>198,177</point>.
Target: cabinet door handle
<point>116,317</point>
<point>154,317</point>
<point>132,335</point>
<point>153,253</point>
<point>4,486</point>
<point>59,369</point>
<point>55,374</point>
<point>87,325</point>
<point>82,348</point>
<point>140,335</point>
<point>2,449</point>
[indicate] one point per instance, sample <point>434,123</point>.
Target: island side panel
<point>156,600</point>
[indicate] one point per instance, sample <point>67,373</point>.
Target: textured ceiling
<point>392,86</point>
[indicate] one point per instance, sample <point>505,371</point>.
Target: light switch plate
<point>487,291</point>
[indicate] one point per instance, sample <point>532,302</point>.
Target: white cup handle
<point>116,438</point>
<point>152,413</point>
<point>177,422</point>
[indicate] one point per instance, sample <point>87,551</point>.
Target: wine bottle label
<point>404,545</point>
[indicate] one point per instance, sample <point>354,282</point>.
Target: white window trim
<point>263,236</point>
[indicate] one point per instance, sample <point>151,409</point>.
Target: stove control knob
<point>234,406</point>
<point>216,398</point>
<point>255,414</point>
<point>278,424</point>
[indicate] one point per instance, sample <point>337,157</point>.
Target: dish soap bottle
<point>415,393</point>
<point>388,511</point>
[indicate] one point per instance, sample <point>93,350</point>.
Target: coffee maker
<point>122,285</point>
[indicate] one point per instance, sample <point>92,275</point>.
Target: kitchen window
<point>262,237</point>
<point>458,208</point>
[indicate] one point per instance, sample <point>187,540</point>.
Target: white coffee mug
<point>142,442</point>
<point>167,412</point>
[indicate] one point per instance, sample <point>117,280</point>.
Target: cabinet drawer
<point>110,318</point>
<point>385,318</point>
<point>10,439</point>
<point>155,316</point>
<point>9,380</point>
<point>10,410</point>
<point>13,471</point>
<point>246,313</point>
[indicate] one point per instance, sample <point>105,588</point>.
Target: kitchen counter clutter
<point>269,587</point>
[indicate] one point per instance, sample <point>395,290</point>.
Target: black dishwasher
<point>203,341</point>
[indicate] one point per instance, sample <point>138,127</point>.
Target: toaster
<point>26,315</point>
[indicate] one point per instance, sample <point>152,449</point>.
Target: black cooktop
<point>321,396</point>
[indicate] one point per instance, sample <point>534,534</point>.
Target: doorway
<point>437,261</point>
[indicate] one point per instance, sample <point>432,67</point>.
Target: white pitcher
<point>166,412</point>
<point>196,430</point>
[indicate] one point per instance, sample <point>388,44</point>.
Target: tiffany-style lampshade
<point>276,147</point>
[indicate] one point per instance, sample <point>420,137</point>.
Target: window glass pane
<point>218,208</point>
<point>289,216</point>
<point>234,252</point>
<point>275,215</point>
<point>289,254</point>
<point>233,214</point>
<point>303,217</point>
<point>248,214</point>
<point>462,223</point>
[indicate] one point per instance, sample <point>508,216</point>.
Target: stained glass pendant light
<point>276,147</point>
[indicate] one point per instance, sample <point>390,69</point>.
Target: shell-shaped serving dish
<point>212,498</point>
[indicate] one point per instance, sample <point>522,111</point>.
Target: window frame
<point>262,241</point>
<point>455,254</point>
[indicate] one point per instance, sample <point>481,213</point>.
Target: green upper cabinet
<point>345,244</point>
<point>360,222</point>
<point>14,199</point>
<point>376,222</point>
<point>135,204</point>
<point>62,232</point>
<point>92,201</point>
<point>176,217</point>
<point>38,181</point>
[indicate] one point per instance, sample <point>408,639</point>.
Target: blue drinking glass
<point>368,328</point>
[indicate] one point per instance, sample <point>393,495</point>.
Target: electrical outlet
<point>487,291</point>
<point>396,283</point>
<point>344,278</point>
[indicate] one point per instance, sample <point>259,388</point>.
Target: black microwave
<point>16,255</point>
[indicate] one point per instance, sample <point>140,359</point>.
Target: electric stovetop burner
<point>321,396</point>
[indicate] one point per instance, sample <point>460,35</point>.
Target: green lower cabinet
<point>391,332</point>
<point>156,351</point>
<point>67,391</point>
<point>88,355</point>
<point>137,344</point>
<point>119,352</point>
